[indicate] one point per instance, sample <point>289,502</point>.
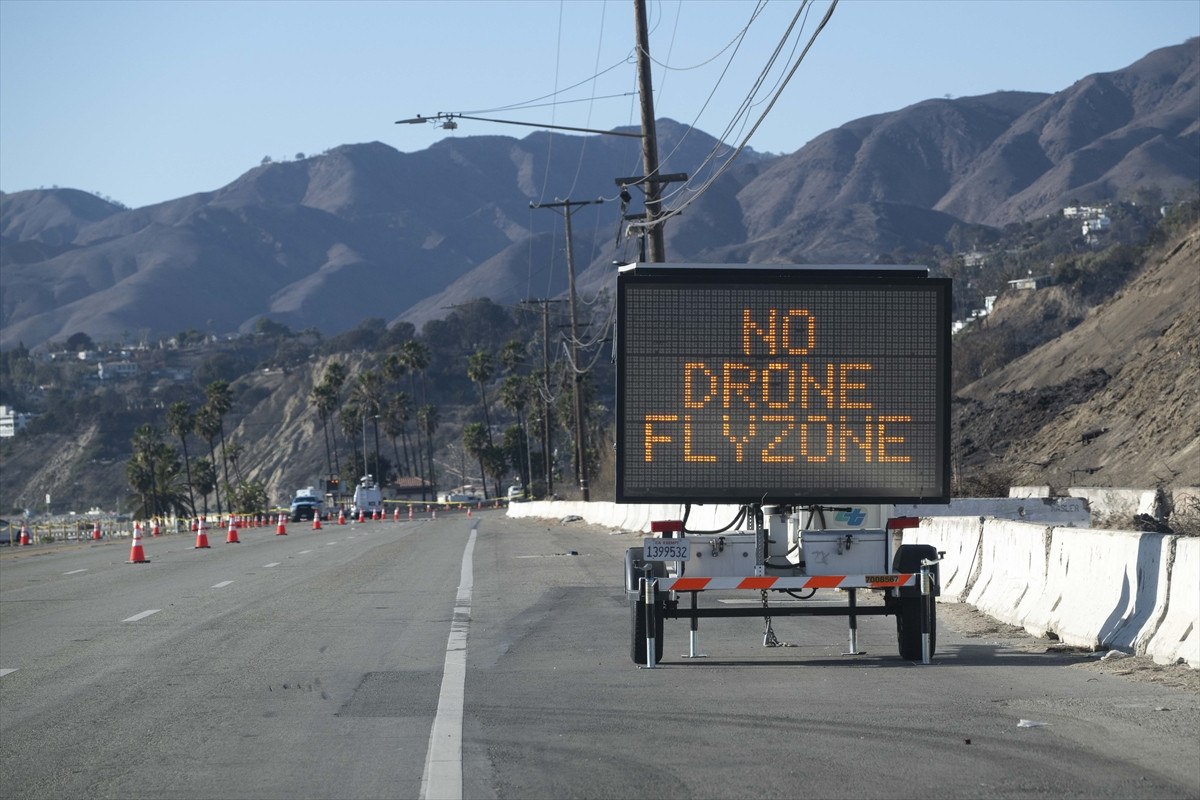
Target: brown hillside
<point>1113,402</point>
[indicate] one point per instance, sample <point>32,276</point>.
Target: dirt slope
<point>1113,402</point>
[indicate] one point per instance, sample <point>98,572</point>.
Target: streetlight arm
<point>451,117</point>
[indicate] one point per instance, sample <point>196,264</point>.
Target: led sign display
<point>787,384</point>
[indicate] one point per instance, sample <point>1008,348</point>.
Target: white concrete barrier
<point>1030,491</point>
<point>1177,637</point>
<point>959,539</point>
<point>1012,572</point>
<point>1050,510</point>
<point>1118,506</point>
<point>1104,586</point>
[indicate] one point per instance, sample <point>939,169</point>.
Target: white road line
<point>330,544</point>
<point>221,585</point>
<point>272,564</point>
<point>442,779</point>
<point>142,615</point>
<point>4,672</point>
<point>75,572</point>
<point>302,552</point>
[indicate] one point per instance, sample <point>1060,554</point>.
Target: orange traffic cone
<point>154,527</point>
<point>201,537</point>
<point>316,521</point>
<point>468,512</point>
<point>25,535</point>
<point>231,537</point>
<point>375,514</point>
<point>396,514</point>
<point>96,531</point>
<point>433,514</point>
<point>137,555</point>
<point>362,516</point>
<point>193,526</point>
<point>280,530</point>
<point>410,512</point>
<point>341,516</point>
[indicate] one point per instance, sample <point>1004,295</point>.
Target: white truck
<point>368,500</point>
<point>814,398</point>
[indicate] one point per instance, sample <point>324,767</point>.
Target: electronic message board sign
<point>782,384</point>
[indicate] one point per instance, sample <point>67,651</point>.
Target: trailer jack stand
<point>769,637</point>
<point>693,634</point>
<point>853,651</point>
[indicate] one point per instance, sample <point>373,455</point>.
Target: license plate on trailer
<point>666,549</point>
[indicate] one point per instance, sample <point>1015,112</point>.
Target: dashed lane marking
<point>75,572</point>
<point>142,615</point>
<point>4,672</point>
<point>221,585</point>
<point>272,564</point>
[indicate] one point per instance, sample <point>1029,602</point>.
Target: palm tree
<point>415,357</point>
<point>220,400</point>
<point>480,369</point>
<point>208,427</point>
<point>514,394</point>
<point>427,420</point>
<point>395,421</point>
<point>475,442</point>
<point>180,422</point>
<point>367,394</point>
<point>512,355</point>
<point>334,379</point>
<point>349,418</point>
<point>204,476</point>
<point>324,398</point>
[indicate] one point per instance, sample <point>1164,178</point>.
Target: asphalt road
<point>317,665</point>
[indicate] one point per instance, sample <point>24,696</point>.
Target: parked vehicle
<point>367,497</point>
<point>306,505</point>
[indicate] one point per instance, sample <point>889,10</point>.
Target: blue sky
<point>148,101</point>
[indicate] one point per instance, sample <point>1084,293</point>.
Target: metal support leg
<point>693,638</point>
<point>649,591</point>
<point>926,598</point>
<point>854,651</point>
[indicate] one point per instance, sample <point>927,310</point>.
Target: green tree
<point>180,422</point>
<point>428,419</point>
<point>220,400</point>
<point>481,366</point>
<point>208,427</point>
<point>474,439</point>
<point>204,477</point>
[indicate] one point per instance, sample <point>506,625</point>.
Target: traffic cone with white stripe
<point>280,529</point>
<point>468,512</point>
<point>96,531</point>
<point>341,516</point>
<point>316,521</point>
<point>231,536</point>
<point>410,511</point>
<point>362,515</point>
<point>396,514</point>
<point>154,527</point>
<point>136,554</point>
<point>201,537</point>
<point>25,535</point>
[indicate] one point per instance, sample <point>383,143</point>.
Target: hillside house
<point>116,370</point>
<point>12,421</point>
<point>1030,283</point>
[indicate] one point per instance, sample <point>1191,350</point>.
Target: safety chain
<point>769,637</point>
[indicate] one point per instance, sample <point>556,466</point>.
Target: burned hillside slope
<point>1115,401</point>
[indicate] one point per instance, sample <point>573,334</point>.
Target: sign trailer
<point>793,391</point>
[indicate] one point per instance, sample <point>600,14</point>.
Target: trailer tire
<point>637,648</point>
<point>910,603</point>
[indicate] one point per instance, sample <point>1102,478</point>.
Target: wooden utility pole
<point>568,207</point>
<point>658,249</point>
<point>547,409</point>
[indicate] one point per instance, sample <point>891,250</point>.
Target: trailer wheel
<point>637,648</point>
<point>910,603</point>
<point>908,627</point>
